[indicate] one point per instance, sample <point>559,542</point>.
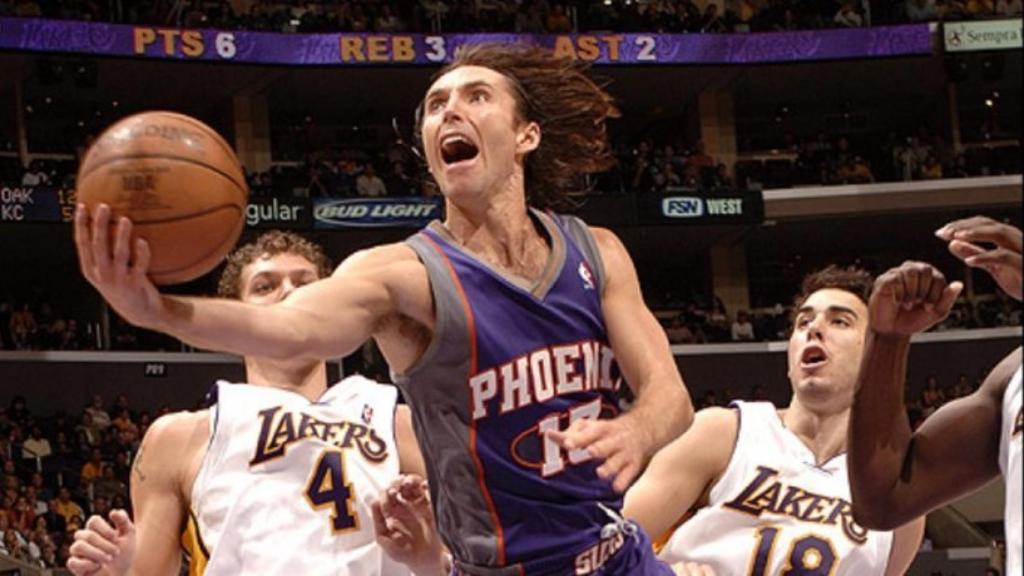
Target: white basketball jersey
<point>286,485</point>
<point>1010,462</point>
<point>775,512</point>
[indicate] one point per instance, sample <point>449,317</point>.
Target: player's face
<point>472,135</point>
<point>827,343</point>
<point>271,279</point>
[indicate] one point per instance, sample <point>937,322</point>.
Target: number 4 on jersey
<point>327,488</point>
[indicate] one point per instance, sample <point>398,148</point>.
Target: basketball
<point>178,181</point>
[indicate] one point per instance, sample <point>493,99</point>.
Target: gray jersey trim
<point>435,387</point>
<point>584,239</point>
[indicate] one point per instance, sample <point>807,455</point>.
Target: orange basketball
<point>178,181</point>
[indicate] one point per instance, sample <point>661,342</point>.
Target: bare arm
<point>685,468</point>
<point>409,456</point>
<point>325,319</point>
<point>159,498</point>
<point>897,474</point>
<point>663,409</point>
<point>906,541</point>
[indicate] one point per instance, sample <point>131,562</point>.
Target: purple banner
<point>343,49</point>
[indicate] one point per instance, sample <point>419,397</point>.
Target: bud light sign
<point>376,213</point>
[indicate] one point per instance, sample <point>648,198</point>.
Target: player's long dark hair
<point>570,108</point>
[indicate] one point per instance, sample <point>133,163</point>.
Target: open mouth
<point>813,357</point>
<point>457,148</point>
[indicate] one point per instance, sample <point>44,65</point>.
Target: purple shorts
<point>618,555</point>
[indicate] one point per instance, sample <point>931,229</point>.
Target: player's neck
<point>500,231</point>
<point>305,378</point>
<point>823,432</point>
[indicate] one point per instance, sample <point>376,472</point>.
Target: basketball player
<point>897,473</point>
<point>278,477</point>
<point>769,486</point>
<point>499,323</point>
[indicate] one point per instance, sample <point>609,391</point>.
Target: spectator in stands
<point>65,507</point>
<point>1008,7</point>
<point>742,329</point>
<point>87,433</point>
<point>666,177</point>
<point>110,486</point>
<point>678,332</point>
<point>92,470</point>
<point>99,506</point>
<point>855,171</point>
<point>961,388</point>
<point>721,178</point>
<point>23,326</point>
<point>122,422</point>
<point>708,400</point>
<point>931,169</point>
<point>910,157</point>
<point>369,185</point>
<point>847,15</point>
<point>37,484</point>
<point>922,10</point>
<point>698,160</point>
<point>99,415</point>
<point>18,412</point>
<point>37,504</point>
<point>959,169</point>
<point>756,393</point>
<point>931,396</point>
<point>69,338</point>
<point>529,18</point>
<point>12,546</point>
<point>21,515</point>
<point>979,8</point>
<point>558,21</point>
<point>36,446</point>
<point>35,175</point>
<point>717,321</point>
<point>398,183</point>
<point>711,22</point>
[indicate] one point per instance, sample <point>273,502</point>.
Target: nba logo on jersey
<point>586,275</point>
<point>367,414</point>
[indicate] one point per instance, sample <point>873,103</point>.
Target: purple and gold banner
<point>344,49</point>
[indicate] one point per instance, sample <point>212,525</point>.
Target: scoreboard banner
<point>32,204</point>
<point>351,49</point>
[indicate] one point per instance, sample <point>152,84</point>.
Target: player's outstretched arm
<point>325,319</point>
<point>897,474</point>
<point>686,468</point>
